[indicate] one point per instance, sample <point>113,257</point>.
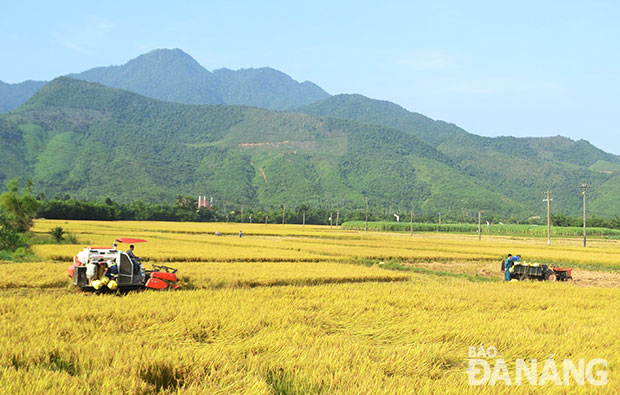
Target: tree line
<point>184,209</point>
<point>18,208</point>
<point>561,219</point>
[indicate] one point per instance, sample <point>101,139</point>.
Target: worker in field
<point>131,255</point>
<point>102,267</point>
<point>101,280</point>
<point>134,259</point>
<point>112,271</point>
<point>510,261</point>
<point>111,274</point>
<point>504,262</point>
<point>240,233</point>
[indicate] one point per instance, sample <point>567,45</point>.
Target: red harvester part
<point>71,268</point>
<point>129,240</point>
<point>164,276</point>
<point>155,283</point>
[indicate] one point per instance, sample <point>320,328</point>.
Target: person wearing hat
<point>108,275</point>
<point>102,280</point>
<point>112,271</point>
<point>102,268</point>
<point>111,274</point>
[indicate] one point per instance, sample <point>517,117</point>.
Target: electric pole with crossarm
<point>584,187</point>
<point>548,200</point>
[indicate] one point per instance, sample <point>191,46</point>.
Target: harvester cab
<point>103,268</point>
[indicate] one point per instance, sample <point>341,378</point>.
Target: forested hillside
<point>93,142</point>
<point>519,168</point>
<point>13,95</point>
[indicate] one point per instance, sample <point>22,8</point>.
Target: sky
<point>522,68</point>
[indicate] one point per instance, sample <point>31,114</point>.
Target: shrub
<point>58,234</point>
<point>71,239</point>
<point>10,239</point>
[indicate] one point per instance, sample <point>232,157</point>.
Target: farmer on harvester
<point>134,259</point>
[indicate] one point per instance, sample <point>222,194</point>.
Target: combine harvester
<point>90,264</point>
<point>535,271</point>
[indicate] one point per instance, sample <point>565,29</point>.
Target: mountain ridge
<point>173,75</point>
<point>524,166</point>
<point>513,169</point>
<point>86,140</point>
<point>13,95</point>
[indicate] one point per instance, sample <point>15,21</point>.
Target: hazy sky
<point>529,68</point>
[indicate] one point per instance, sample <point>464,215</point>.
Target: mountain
<point>520,168</point>
<point>13,95</point>
<point>172,75</point>
<point>381,112</point>
<point>91,141</point>
<point>265,88</point>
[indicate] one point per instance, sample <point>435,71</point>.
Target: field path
<point>582,277</point>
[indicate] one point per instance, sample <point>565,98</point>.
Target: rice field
<point>314,309</point>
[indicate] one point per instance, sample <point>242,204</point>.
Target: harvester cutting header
<point>106,268</point>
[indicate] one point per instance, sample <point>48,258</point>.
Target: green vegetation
<point>519,169</point>
<point>17,210</point>
<point>88,142</point>
<point>58,233</point>
<point>91,142</point>
<point>173,75</point>
<point>266,88</point>
<point>10,238</point>
<point>184,210</point>
<point>494,229</point>
<point>13,95</point>
<point>19,207</point>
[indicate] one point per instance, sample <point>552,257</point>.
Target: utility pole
<point>283,213</point>
<point>266,218</point>
<point>242,213</point>
<point>366,214</point>
<point>411,223</point>
<point>479,225</point>
<point>584,187</point>
<point>304,219</point>
<point>330,220</point>
<point>548,200</point>
<point>337,217</point>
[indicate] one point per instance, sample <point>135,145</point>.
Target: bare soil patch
<point>581,277</point>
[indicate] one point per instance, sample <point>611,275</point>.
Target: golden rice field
<point>292,309</point>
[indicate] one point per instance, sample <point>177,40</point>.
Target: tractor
<point>90,264</point>
<point>535,271</point>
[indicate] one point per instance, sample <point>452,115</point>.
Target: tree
<point>58,234</point>
<point>19,207</point>
<point>9,238</point>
